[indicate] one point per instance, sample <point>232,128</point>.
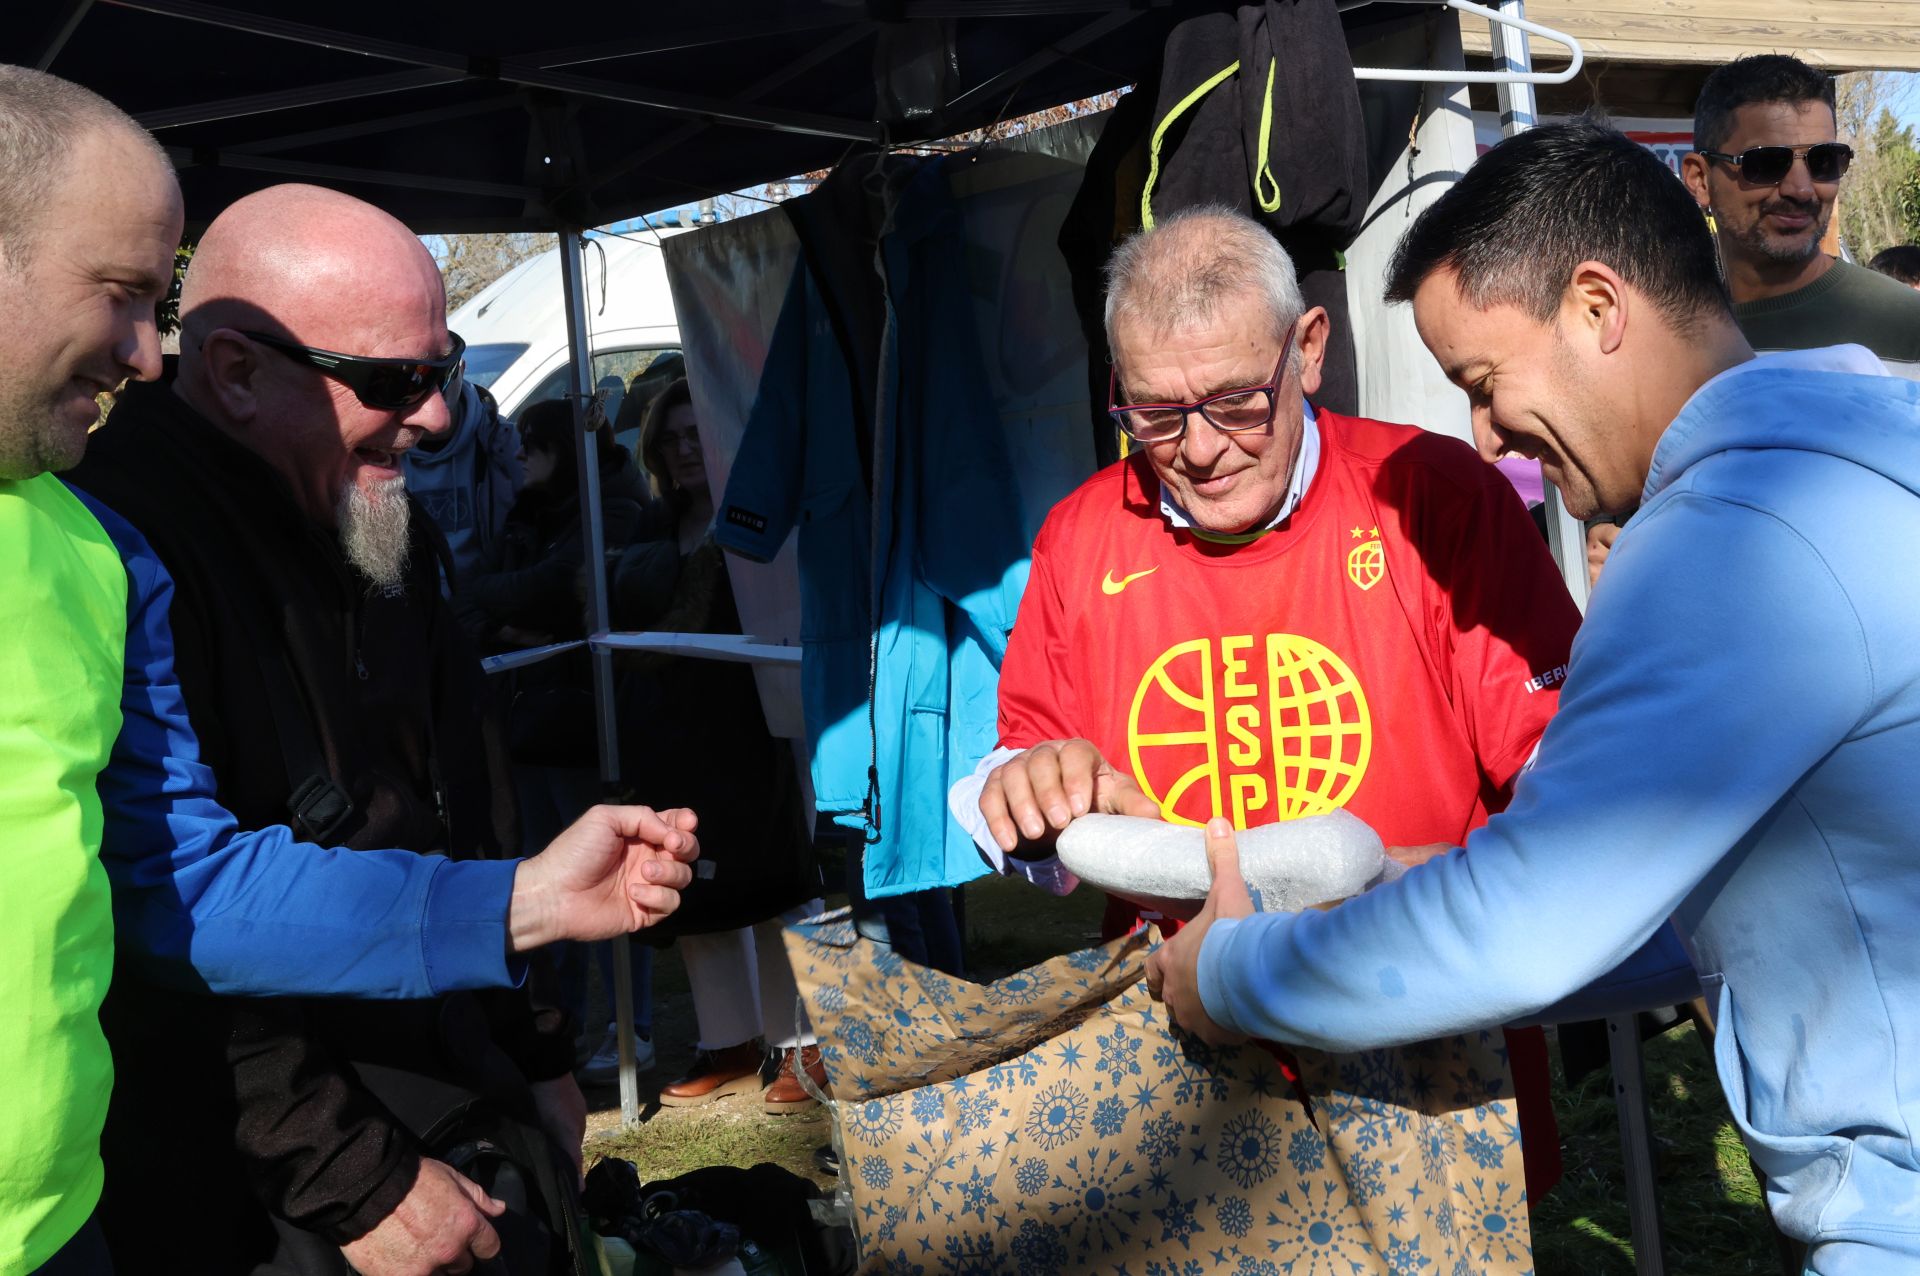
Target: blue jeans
<point>920,925</point>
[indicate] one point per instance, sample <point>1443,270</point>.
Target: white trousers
<point>743,987</point>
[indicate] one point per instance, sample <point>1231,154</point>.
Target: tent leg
<point>1567,538</point>
<point>1636,1144</point>
<point>573,282</point>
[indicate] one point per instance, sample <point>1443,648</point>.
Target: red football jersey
<point>1394,648</point>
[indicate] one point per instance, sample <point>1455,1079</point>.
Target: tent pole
<point>593,542</point>
<point>1567,537</point>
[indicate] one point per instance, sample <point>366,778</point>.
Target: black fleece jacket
<point>229,1114</point>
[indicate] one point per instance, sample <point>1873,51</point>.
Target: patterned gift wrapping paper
<point>1051,1122</point>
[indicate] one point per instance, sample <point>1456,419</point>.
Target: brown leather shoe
<point>716,1074</point>
<point>786,1094</point>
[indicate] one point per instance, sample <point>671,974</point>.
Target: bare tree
<point>1880,203</point>
<point>469,263</point>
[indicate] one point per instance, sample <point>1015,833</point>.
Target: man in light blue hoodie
<point>1729,796</point>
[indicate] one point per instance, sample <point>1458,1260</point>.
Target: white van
<point>516,329</point>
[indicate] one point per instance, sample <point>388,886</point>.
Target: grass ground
<point>1714,1222</point>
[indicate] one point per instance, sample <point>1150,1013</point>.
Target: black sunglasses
<point>386,385</point>
<point>1769,165</point>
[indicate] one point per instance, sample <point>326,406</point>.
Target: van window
<point>645,369</point>
<point>485,363</point>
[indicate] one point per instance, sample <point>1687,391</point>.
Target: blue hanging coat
<point>911,555</point>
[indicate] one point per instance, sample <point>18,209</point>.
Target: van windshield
<point>486,363</point>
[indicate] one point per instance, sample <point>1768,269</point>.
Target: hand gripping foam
<point>1288,866</point>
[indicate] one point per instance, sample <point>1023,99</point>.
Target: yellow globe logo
<point>1252,728</point>
<point>1366,564</point>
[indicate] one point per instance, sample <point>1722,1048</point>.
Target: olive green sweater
<point>1849,305</point>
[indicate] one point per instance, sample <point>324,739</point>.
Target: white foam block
<point>1288,866</point>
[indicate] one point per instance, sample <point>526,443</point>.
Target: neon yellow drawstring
<point>1263,178</point>
<point>1180,108</point>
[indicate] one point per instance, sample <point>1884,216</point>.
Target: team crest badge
<point>1366,562</point>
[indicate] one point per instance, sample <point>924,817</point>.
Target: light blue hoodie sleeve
<point>1719,661</point>
<point>204,904</point>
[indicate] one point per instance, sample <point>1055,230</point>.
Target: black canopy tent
<point>476,116</point>
<point>489,115</point>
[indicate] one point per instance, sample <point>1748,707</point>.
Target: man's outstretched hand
<point>1030,797</point>
<point>618,869</point>
<point>1173,969</point>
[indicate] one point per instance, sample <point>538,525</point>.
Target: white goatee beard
<point>373,529</point>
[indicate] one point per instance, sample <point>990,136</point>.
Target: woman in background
<point>716,756</point>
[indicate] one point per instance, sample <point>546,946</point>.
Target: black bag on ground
<point>771,1206</point>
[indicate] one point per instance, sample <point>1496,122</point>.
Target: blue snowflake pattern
<point>887,961</point>
<point>1443,1219</point>
<point>1038,1249</point>
<point>1319,1232</point>
<point>896,1214</point>
<point>1251,1266</point>
<point>1177,1220</point>
<point>1014,1072</point>
<point>1403,1257</point>
<point>1249,1151</point>
<point>1307,1150</point>
<point>1119,1054</point>
<point>901,1265</point>
<point>875,1172</point>
<point>928,1106</point>
<point>970,1254</point>
<point>1088,960</point>
<point>1102,1211</point>
<point>1235,1217</point>
<point>1491,1224</point>
<point>1022,988</point>
<point>1057,1115</point>
<point>872,1122</point>
<point>977,1195</point>
<point>832,944</point>
<point>1483,1151</point>
<point>937,988</point>
<point>1364,1121</point>
<point>1161,1138</point>
<point>978,1108</point>
<point>1366,1178</point>
<point>1437,1151</point>
<point>858,1039</point>
<point>1174,1267</point>
<point>1108,1116</point>
<point>1378,1074</point>
<point>1194,1071</point>
<point>831,999</point>
<point>1031,1176</point>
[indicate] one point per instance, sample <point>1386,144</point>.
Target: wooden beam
<point>1838,34</point>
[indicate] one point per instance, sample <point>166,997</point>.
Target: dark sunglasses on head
<point>1769,165</point>
<point>387,385</point>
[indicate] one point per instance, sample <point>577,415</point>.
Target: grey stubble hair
<point>42,119</point>
<point>1194,262</point>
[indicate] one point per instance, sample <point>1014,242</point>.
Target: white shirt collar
<point>1305,466</point>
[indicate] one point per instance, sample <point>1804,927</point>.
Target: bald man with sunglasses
<point>324,676</point>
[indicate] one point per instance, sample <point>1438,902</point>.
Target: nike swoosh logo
<point>1112,586</point>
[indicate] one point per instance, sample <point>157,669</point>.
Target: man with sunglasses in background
<point>1767,167</point>
<point>1266,611</point>
<point>324,675</point>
